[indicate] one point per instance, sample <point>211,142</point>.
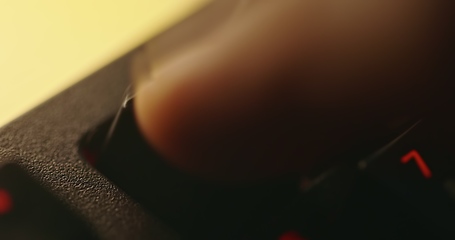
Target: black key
<point>420,168</point>
<point>403,191</point>
<point>195,208</point>
<point>28,211</point>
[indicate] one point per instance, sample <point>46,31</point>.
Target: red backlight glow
<point>292,235</point>
<point>6,203</point>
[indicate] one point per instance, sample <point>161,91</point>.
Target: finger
<point>288,85</point>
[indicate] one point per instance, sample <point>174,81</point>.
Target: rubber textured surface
<point>44,141</point>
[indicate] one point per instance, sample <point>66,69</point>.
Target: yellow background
<point>48,45</point>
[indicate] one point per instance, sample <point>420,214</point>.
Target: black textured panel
<point>44,141</point>
<point>29,211</point>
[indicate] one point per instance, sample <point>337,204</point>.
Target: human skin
<point>290,84</point>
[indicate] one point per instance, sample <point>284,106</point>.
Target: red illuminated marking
<point>6,203</point>
<point>292,236</point>
<point>420,162</point>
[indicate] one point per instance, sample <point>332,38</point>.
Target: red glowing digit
<point>420,162</point>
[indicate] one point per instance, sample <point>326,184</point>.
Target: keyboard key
<point>195,208</point>
<point>28,211</point>
<point>420,167</point>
